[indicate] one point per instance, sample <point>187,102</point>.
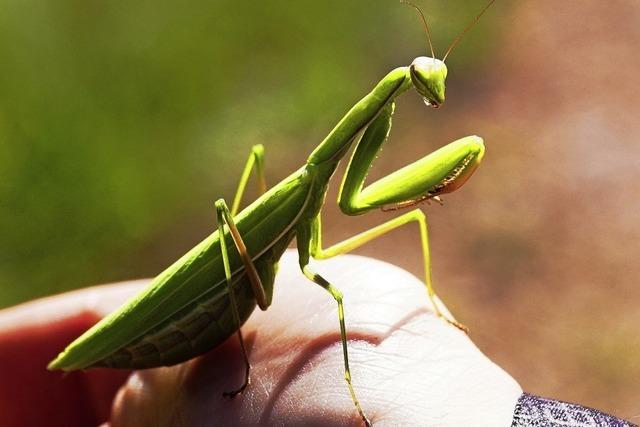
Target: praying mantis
<point>205,296</point>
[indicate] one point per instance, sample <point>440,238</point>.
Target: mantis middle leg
<point>347,245</point>
<point>303,239</point>
<point>309,244</point>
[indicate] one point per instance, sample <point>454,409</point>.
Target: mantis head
<point>428,76</point>
<point>429,73</point>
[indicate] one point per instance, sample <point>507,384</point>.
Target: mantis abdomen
<point>164,325</point>
<point>200,326</point>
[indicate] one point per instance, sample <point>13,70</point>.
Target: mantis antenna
<point>424,21</point>
<point>457,39</point>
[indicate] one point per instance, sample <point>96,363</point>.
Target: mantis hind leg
<point>255,160</point>
<point>224,217</point>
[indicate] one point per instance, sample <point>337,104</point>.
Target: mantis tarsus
<point>205,296</point>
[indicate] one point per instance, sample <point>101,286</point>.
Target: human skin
<point>409,367</point>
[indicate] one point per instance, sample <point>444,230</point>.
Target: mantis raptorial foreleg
<point>255,160</point>
<point>388,191</point>
<point>224,217</point>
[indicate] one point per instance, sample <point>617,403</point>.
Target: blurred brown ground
<point>538,252</point>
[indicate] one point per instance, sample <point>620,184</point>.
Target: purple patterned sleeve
<point>533,411</point>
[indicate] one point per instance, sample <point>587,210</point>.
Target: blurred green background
<point>122,122</point>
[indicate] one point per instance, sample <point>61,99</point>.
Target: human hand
<point>31,334</point>
<point>408,366</point>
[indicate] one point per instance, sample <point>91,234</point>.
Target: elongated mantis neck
<point>337,143</point>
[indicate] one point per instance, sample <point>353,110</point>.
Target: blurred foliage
<point>121,120</point>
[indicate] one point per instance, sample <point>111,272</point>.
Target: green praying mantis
<point>205,296</point>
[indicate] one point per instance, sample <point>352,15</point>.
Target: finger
<point>31,335</point>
